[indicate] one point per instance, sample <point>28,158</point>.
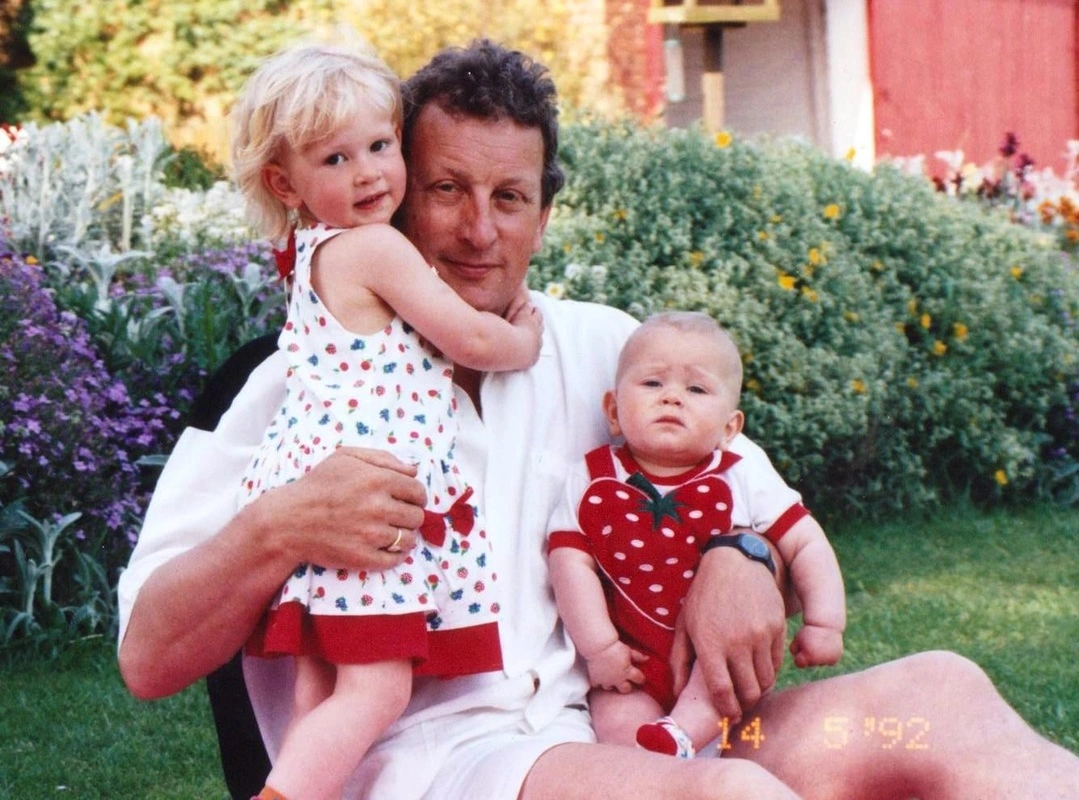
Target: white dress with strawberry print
<point>646,534</point>
<point>391,391</point>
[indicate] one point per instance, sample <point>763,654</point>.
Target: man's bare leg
<point>614,772</point>
<point>928,726</point>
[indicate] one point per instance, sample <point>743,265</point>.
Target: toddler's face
<point>671,403</point>
<point>355,176</point>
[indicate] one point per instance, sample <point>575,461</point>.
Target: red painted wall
<point>959,74</point>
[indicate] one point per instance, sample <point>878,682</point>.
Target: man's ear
<point>537,245</point>
<point>610,410</point>
<point>277,181</point>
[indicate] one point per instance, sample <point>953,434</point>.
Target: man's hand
<point>732,620</point>
<point>349,509</point>
<point>612,668</point>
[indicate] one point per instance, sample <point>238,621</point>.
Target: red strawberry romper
<point>646,534</point>
<point>392,391</point>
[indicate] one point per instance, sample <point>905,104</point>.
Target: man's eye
<point>445,187</point>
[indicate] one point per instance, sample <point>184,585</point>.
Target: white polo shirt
<point>536,426</point>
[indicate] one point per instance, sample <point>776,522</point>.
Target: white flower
<point>599,273</point>
<point>555,290</point>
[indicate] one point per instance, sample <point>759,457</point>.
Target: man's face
<point>473,203</point>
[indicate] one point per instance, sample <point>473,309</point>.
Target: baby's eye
<point>698,390</point>
<point>334,159</point>
<point>380,145</point>
<point>651,383</point>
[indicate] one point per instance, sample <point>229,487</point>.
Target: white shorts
<point>483,755</point>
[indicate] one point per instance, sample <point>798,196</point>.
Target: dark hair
<point>488,81</point>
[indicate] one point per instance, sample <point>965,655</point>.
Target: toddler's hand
<point>612,668</point>
<point>527,319</point>
<point>817,646</point>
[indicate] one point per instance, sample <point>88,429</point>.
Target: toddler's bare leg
<point>616,717</point>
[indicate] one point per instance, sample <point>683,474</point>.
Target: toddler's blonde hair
<point>298,97</point>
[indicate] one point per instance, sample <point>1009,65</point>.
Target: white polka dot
<point>595,499</point>
<point>656,588</point>
<point>696,514</point>
<point>703,488</point>
<point>632,517</point>
<point>606,530</point>
<point>620,556</point>
<point>636,543</point>
<point>621,495</point>
<point>667,532</point>
<point>687,574</point>
<point>646,568</point>
<point>624,581</point>
<point>721,506</point>
<point>691,539</point>
<point>672,560</point>
<point>661,611</point>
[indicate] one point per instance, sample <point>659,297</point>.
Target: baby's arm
<point>818,583</point>
<point>378,260</point>
<point>583,609</point>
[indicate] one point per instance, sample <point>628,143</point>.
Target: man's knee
<point>732,777</point>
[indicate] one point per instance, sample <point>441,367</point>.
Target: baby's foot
<point>665,736</point>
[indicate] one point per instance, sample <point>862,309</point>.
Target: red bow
<point>460,515</point>
<point>286,259</point>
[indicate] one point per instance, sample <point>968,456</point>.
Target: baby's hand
<point>524,316</point>
<point>817,646</point>
<point>612,668</point>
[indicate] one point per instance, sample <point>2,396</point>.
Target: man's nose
<point>478,225</point>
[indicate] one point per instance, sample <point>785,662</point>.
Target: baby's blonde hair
<point>700,324</point>
<point>298,97</point>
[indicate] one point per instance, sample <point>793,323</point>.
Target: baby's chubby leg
<point>323,747</point>
<point>692,723</point>
<point>616,716</point>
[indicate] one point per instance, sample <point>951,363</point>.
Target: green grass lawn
<point>1001,589</point>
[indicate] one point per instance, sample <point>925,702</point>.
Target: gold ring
<point>395,547</point>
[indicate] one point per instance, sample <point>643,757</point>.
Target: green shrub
<point>901,349</point>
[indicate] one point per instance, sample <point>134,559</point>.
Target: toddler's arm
<point>378,260</point>
<point>583,609</point>
<point>818,583</point>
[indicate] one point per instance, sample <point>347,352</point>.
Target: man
<point>481,143</point>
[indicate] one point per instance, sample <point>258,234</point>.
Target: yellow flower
<point>1001,477</point>
<point>30,260</point>
<point>1017,272</point>
<point>912,383</point>
<point>763,236</point>
<point>912,306</point>
<point>567,248</point>
<point>902,328</point>
<point>601,236</point>
<point>776,219</point>
<point>960,331</point>
<point>831,211</point>
<point>810,294</point>
<point>852,316</point>
<point>939,348</point>
<point>815,257</point>
<point>555,290</point>
<point>850,154</point>
<point>877,266</point>
<point>753,385</point>
<point>620,214</point>
<point>786,281</point>
<point>696,258</point>
<point>723,139</point>
<point>925,321</point>
<point>858,386</point>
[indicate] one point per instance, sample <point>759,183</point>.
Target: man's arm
<point>734,618</point>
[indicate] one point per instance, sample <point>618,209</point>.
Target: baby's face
<point>672,404</point>
<point>355,176</point>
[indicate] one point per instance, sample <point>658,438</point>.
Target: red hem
<point>786,521</point>
<point>462,651</point>
<point>574,539</point>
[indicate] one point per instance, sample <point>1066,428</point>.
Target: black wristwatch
<point>751,546</point>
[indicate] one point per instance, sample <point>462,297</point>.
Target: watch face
<point>754,546</point>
